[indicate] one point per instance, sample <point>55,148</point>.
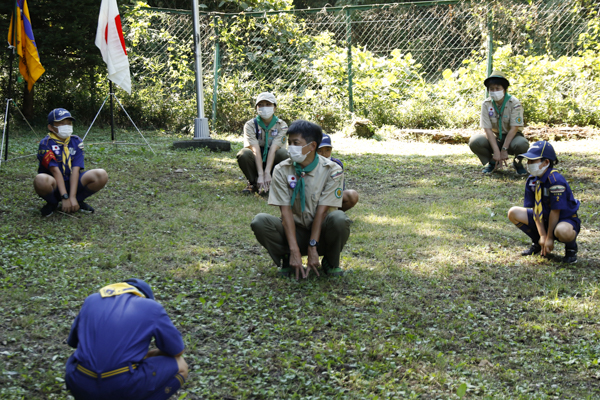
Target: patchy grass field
<point>440,300</point>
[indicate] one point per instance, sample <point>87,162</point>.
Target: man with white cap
<point>502,122</point>
<point>264,145</point>
<point>60,174</point>
<point>112,335</point>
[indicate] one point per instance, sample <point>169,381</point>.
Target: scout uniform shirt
<point>50,154</point>
<point>511,116</point>
<point>277,134</point>
<point>556,195</point>
<point>322,187</point>
<point>112,332</point>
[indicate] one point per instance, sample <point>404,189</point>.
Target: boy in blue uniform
<point>350,197</point>
<point>59,176</point>
<point>112,333</point>
<point>549,210</point>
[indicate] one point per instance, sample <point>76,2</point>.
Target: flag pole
<point>112,115</point>
<point>12,49</point>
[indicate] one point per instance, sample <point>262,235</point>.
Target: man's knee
<point>337,221</point>
<point>44,184</point>
<point>260,222</point>
<point>565,232</point>
<point>351,196</point>
<point>245,155</point>
<point>519,145</point>
<point>183,367</point>
<point>478,142</point>
<point>280,155</point>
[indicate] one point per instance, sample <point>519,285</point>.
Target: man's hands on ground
<point>313,261</point>
<point>70,205</point>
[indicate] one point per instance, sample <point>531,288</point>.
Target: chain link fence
<point>326,64</point>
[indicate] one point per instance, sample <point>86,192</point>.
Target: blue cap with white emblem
<point>541,149</point>
<point>58,114</point>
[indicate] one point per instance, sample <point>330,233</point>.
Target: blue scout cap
<point>58,114</point>
<point>326,142</point>
<point>142,287</point>
<point>541,149</point>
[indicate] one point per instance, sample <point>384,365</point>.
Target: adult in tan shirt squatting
<point>264,145</point>
<point>502,121</point>
<point>308,190</point>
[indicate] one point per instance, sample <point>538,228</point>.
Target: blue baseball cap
<point>142,286</point>
<point>326,141</point>
<point>58,114</point>
<point>541,149</point>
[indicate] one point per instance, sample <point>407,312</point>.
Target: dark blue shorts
<point>82,193</point>
<point>156,378</point>
<point>573,220</point>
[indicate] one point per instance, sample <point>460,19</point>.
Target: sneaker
<point>85,207</point>
<point>329,269</point>
<point>570,255</point>
<point>489,168</point>
<point>48,209</point>
<point>518,165</point>
<point>534,249</point>
<point>250,189</point>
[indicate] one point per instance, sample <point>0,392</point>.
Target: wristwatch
<point>504,148</point>
<point>65,196</point>
<point>313,243</point>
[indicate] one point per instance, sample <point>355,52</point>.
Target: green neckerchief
<point>300,172</point>
<point>267,129</point>
<point>506,97</point>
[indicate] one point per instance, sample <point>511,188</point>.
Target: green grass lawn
<point>439,299</point>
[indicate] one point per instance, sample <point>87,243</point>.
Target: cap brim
<point>529,156</point>
<point>62,119</point>
<point>324,145</point>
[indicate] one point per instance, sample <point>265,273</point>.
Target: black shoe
<point>85,207</point>
<point>570,255</point>
<point>518,165</point>
<point>489,168</point>
<point>534,249</point>
<point>285,270</point>
<point>250,189</point>
<point>48,209</point>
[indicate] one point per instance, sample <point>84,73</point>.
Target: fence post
<point>216,65</point>
<point>490,60</point>
<point>349,41</point>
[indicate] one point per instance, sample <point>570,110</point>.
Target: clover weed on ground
<point>439,300</point>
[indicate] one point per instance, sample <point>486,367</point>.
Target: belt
<point>105,374</point>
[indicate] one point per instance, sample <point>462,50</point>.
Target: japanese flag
<point>110,41</point>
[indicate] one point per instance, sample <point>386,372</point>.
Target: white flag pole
<point>200,123</point>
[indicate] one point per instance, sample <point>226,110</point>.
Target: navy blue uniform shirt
<point>111,332</point>
<point>50,154</point>
<point>556,195</point>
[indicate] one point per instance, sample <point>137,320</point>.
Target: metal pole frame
<point>490,59</point>
<point>217,66</point>
<point>349,43</point>
<point>9,91</point>
<point>197,51</point>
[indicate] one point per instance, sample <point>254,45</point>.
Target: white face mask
<point>64,131</point>
<point>497,96</point>
<point>295,153</point>
<point>535,170</point>
<point>266,112</point>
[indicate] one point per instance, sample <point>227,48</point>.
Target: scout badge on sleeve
<point>491,112</point>
<point>292,181</point>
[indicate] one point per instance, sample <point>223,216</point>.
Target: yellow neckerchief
<point>537,208</point>
<point>120,288</point>
<point>66,155</point>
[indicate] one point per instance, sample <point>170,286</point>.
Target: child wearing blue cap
<point>549,210</point>
<point>59,178</point>
<point>112,335</point>
<point>349,197</point>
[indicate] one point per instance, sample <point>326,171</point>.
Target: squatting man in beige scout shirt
<point>502,122</point>
<point>264,145</point>
<point>308,190</point>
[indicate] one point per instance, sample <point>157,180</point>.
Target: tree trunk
<point>28,102</point>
